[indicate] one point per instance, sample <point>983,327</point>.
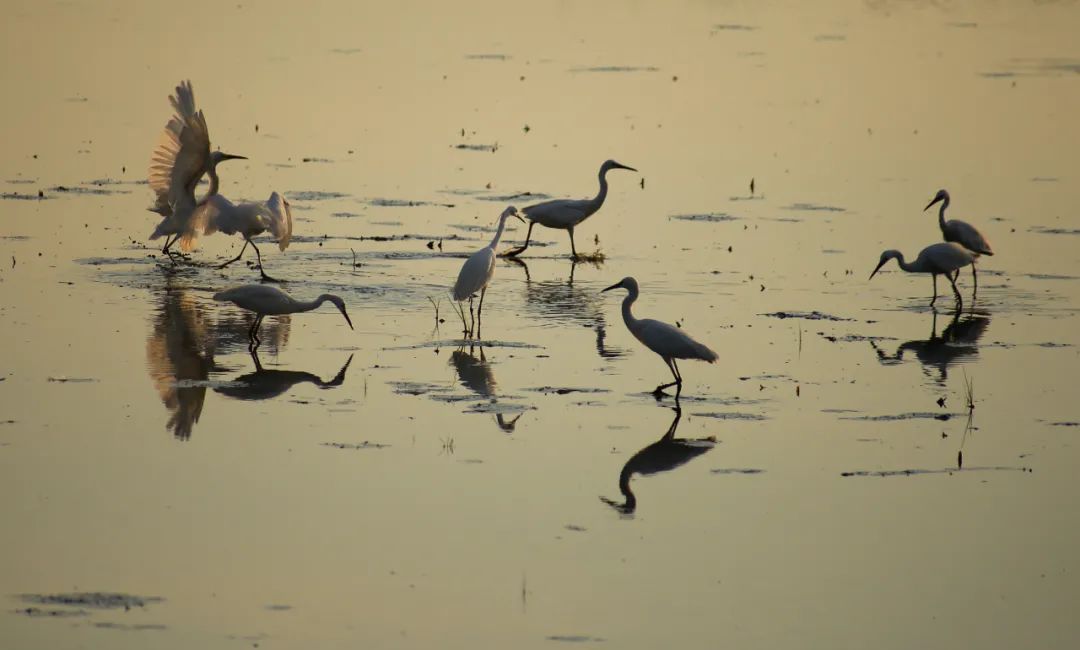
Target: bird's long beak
<point>347,319</point>
<point>930,204</point>
<point>230,156</point>
<point>876,269</point>
<point>621,166</point>
<point>614,286</point>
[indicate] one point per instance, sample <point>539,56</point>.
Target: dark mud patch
<point>708,217</point>
<point>354,445</point>
<point>96,190</point>
<point>403,203</point>
<point>731,415</point>
<point>15,237</point>
<point>962,25</point>
<point>21,181</point>
<point>454,344</point>
<point>616,68</point>
<point>830,38</point>
<point>278,608</point>
<point>465,146</point>
<point>813,207</point>
<point>1044,179</point>
<point>417,388</point>
<point>1044,230</point>
<point>506,198</point>
<point>885,473</point>
<point>484,56</point>
<point>72,380</point>
<point>498,408</point>
<point>943,417</point>
<point>345,215</point>
<point>91,600</point>
<point>314,195</point>
<point>733,27</point>
<point>17,196</point>
<point>736,470</point>
<point>813,315</point>
<point>138,627</point>
<point>854,338</point>
<point>1050,276</point>
<point>575,638</point>
<point>1065,424</point>
<point>315,159</point>
<point>566,390</point>
<point>346,50</point>
<point>38,612</point>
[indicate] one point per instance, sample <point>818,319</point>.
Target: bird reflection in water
<point>563,302</point>
<point>474,373</point>
<point>957,343</point>
<point>268,384</point>
<point>179,356</point>
<point>663,455</point>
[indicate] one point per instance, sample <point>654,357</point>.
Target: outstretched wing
<point>280,219</point>
<point>182,154</point>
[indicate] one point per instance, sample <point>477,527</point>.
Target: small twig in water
<point>969,391</point>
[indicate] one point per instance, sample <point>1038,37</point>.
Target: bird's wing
<point>475,273</point>
<point>670,341</point>
<point>257,297</point>
<point>968,236</point>
<point>560,213</point>
<point>210,215</point>
<point>183,150</point>
<point>280,216</point>
<point>945,257</point>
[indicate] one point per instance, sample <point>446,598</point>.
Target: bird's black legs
<point>678,379</point>
<point>472,318</point>
<point>480,310</point>
<point>464,325</point>
<point>258,256</point>
<point>253,334</point>
<point>573,251</point>
<point>974,278</point>
<point>166,249</point>
<point>521,249</point>
<point>237,258</point>
<point>956,292</point>
<point>934,299</point>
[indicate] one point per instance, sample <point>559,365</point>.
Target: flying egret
<point>271,301</point>
<point>476,272</point>
<point>669,342</point>
<point>961,232</point>
<point>250,220</point>
<point>179,161</point>
<point>565,214</point>
<point>936,259</point>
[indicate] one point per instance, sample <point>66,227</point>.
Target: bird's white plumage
<point>218,213</point>
<point>259,298</point>
<point>943,257</point>
<point>475,273</point>
<point>561,213</point>
<point>669,341</point>
<point>965,234</point>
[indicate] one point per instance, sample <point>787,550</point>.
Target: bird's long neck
<point>498,232</point>
<point>941,213</point>
<point>602,194</point>
<point>624,487</point>
<point>311,304</point>
<point>215,183</point>
<point>627,314</point>
<point>910,268</point>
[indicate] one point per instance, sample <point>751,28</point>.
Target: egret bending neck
<point>215,183</point>
<point>941,212</point>
<point>627,303</point>
<point>602,194</point>
<point>498,233</point>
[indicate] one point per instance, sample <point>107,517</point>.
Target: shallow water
<point>825,484</point>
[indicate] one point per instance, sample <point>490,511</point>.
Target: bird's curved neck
<point>498,233</point>
<point>215,183</point>
<point>602,194</point>
<point>911,267</point>
<point>624,487</point>
<point>627,313</point>
<point>311,304</point>
<point>941,212</point>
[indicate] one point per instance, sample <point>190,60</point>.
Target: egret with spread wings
<point>249,220</point>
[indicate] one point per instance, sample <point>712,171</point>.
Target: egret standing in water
<point>476,273</point>
<point>179,161</point>
<point>668,341</point>
<point>250,220</point>
<point>271,301</point>
<point>565,214</point>
<point>960,232</point>
<point>935,259</point>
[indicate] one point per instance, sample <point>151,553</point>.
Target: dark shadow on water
<point>475,373</point>
<point>268,384</point>
<point>664,455</point>
<point>957,343</point>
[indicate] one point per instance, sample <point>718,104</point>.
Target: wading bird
<point>476,273</point>
<point>961,232</point>
<point>565,214</point>
<point>250,220</point>
<point>668,341</point>
<point>935,259</point>
<point>271,301</point>
<point>179,161</point>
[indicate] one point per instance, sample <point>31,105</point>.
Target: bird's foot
<point>267,278</point>
<point>513,252</point>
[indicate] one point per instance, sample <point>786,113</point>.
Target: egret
<point>669,342</point>
<point>268,384</point>
<point>250,220</point>
<point>476,272</point>
<point>271,301</point>
<point>565,214</point>
<point>936,259</point>
<point>179,161</point>
<point>961,232</point>
<point>663,455</point>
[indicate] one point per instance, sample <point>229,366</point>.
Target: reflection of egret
<point>957,343</point>
<point>961,232</point>
<point>179,161</point>
<point>935,259</point>
<point>250,220</point>
<point>271,301</point>
<point>565,214</point>
<point>474,373</point>
<point>476,273</point>
<point>180,351</point>
<point>267,384</point>
<point>234,332</point>
<point>507,425</point>
<point>663,455</point>
<point>669,342</point>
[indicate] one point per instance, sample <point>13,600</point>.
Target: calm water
<point>390,487</point>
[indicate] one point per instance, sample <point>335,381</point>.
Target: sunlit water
<point>824,485</point>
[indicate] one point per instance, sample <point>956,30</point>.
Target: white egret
<point>565,214</point>
<point>179,161</point>
<point>936,259</point>
<point>250,220</point>
<point>476,273</point>
<point>668,341</point>
<point>271,301</point>
<point>961,232</point>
